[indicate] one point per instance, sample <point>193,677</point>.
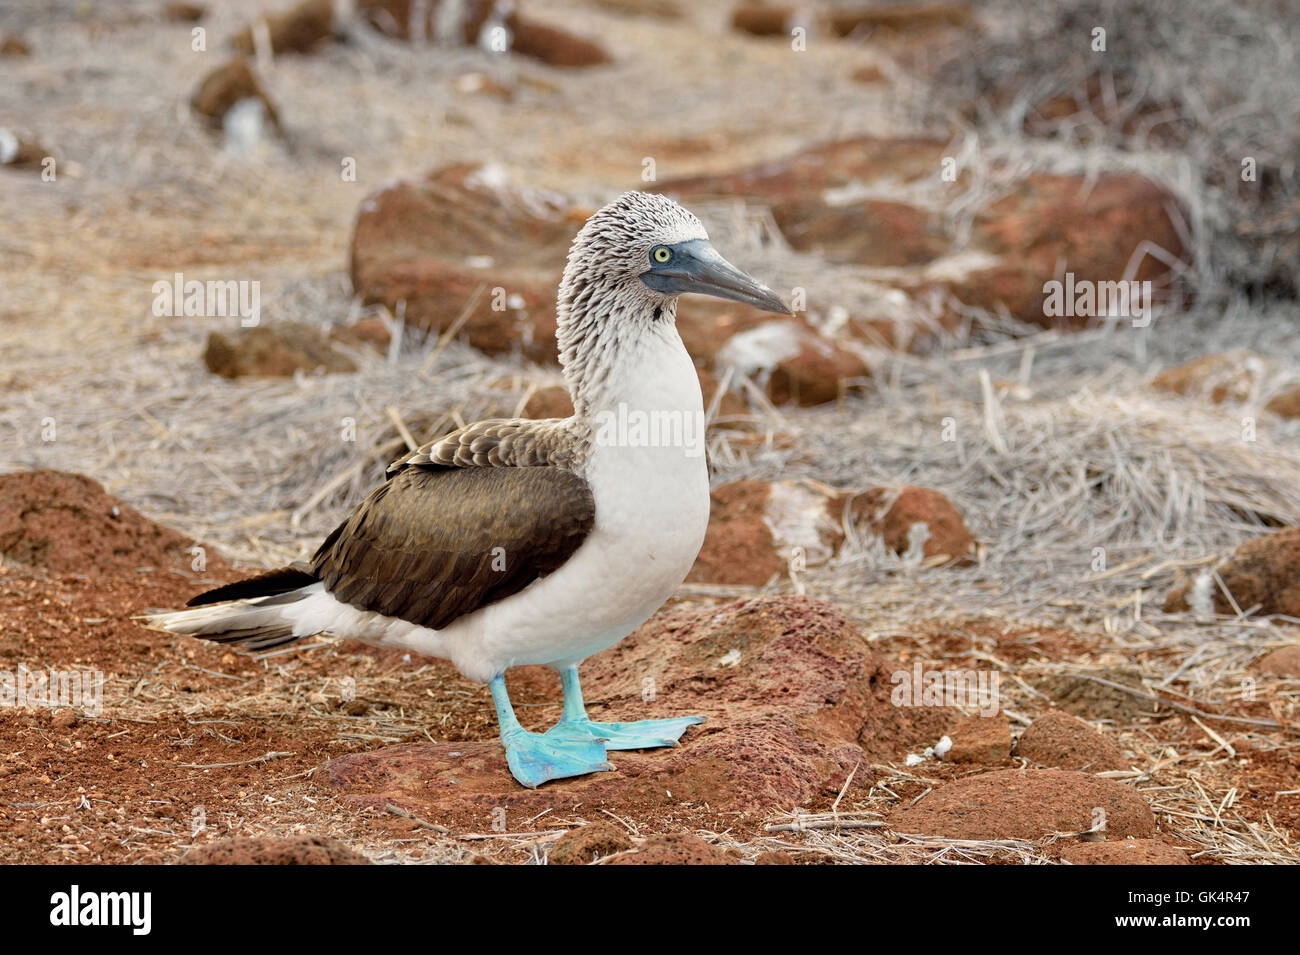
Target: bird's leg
<point>574,708</point>
<point>642,734</point>
<point>534,758</point>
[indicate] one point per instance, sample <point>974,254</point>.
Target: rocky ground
<point>929,470</point>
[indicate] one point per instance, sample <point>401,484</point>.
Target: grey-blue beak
<point>695,266</point>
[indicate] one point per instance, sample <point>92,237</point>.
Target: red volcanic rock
<point>874,232</point>
<point>794,699</point>
<point>552,45</point>
<point>1079,693</point>
<point>1220,378</point>
<point>224,87</point>
<point>462,237</point>
<point>275,850</point>
<point>1285,404</point>
<point>301,29</point>
<point>1263,572</point>
<point>791,362</point>
<point>181,12</point>
<point>368,332</point>
<point>1061,741</point>
<point>868,74</point>
<point>759,19</point>
<point>983,740</point>
<point>1050,225</point>
<point>739,547</point>
<point>892,514</point>
<point>799,364</point>
<point>68,524</point>
<point>676,848</point>
<point>904,17</point>
<point>757,530</point>
<point>1125,852</point>
<point>14,45</point>
<point>1011,804</point>
<point>588,843</point>
<point>273,351</point>
<point>1284,661</point>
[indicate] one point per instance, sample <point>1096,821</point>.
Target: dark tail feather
<point>257,613</point>
<point>255,638</point>
<point>271,584</point>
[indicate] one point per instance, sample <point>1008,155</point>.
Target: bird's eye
<point>661,254</point>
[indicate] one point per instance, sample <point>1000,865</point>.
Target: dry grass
<point>1188,90</point>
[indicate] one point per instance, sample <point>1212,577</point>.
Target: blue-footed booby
<point>515,542</point>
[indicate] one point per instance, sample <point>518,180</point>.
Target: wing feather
<point>434,543</point>
<point>498,442</point>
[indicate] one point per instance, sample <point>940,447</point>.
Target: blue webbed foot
<point>642,734</point>
<point>535,759</point>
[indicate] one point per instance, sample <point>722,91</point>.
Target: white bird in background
<point>514,542</point>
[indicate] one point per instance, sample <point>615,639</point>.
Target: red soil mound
<point>68,524</point>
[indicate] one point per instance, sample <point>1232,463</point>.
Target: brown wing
<point>432,544</point>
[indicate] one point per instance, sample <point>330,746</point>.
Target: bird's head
<point>643,251</point>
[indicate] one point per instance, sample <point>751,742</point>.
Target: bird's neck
<point>631,358</point>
